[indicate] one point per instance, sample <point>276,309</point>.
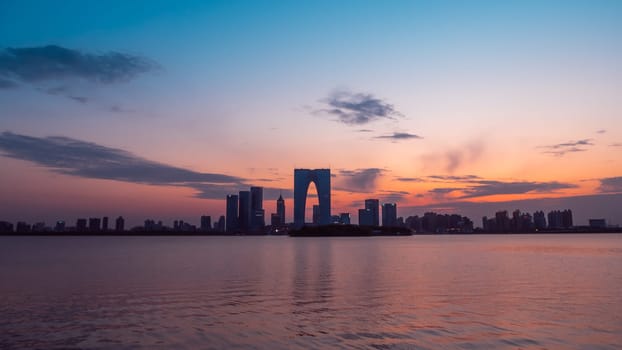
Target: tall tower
<point>302,179</point>
<point>373,205</point>
<point>280,209</point>
<point>257,213</point>
<point>232,213</point>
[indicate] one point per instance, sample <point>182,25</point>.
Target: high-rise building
<point>206,223</point>
<point>366,217</point>
<point>60,226</point>
<point>119,224</point>
<point>280,210</point>
<point>539,220</point>
<point>232,213</point>
<point>220,225</point>
<point>258,220</point>
<point>94,224</point>
<point>502,221</point>
<point>245,213</point>
<point>560,219</point>
<point>373,205</point>
<point>389,214</point>
<point>105,223</point>
<point>344,218</point>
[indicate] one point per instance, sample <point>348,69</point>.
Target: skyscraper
<point>389,214</point>
<point>244,219</point>
<point>373,205</point>
<point>119,224</point>
<point>280,210</point>
<point>258,217</point>
<point>366,217</point>
<point>105,223</point>
<point>206,223</point>
<point>232,213</point>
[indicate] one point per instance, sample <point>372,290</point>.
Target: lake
<point>419,292</point>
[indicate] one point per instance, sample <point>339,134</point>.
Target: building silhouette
<point>81,225</point>
<point>232,213</point>
<point>206,223</point>
<point>366,217</point>
<point>344,218</point>
<point>539,220</point>
<point>220,224</point>
<point>280,209</point>
<point>119,225</point>
<point>389,214</point>
<point>373,206</point>
<point>302,179</point>
<point>258,220</point>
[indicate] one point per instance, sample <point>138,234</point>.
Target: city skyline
<point>436,106</point>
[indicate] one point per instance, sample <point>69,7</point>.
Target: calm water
<point>422,292</point>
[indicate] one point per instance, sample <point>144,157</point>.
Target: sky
<point>159,109</point>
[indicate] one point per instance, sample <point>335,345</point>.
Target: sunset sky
<point>159,109</point>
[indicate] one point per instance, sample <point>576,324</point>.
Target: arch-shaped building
<point>302,179</point>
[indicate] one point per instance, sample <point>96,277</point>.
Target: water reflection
<point>476,292</point>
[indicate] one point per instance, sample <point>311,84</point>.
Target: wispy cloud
<point>56,63</point>
<point>454,178</point>
<point>7,84</point>
<point>562,149</point>
<point>484,188</point>
<point>617,144</point>
<point>398,136</point>
<point>357,108</point>
<point>89,160</point>
<point>601,131</point>
<point>359,180</point>
<point>491,188</point>
<point>610,184</point>
<point>453,159</point>
<point>409,179</point>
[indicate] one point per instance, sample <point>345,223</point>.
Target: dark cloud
<point>409,179</point>
<point>454,178</point>
<point>397,136</point>
<point>119,109</point>
<point>80,99</point>
<point>89,160</point>
<point>483,188</point>
<point>358,108</point>
<point>7,84</point>
<point>444,190</point>
<point>55,63</point>
<point>491,188</point>
<point>359,180</point>
<point>364,130</point>
<point>392,196</point>
<point>611,185</point>
<point>561,149</point>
